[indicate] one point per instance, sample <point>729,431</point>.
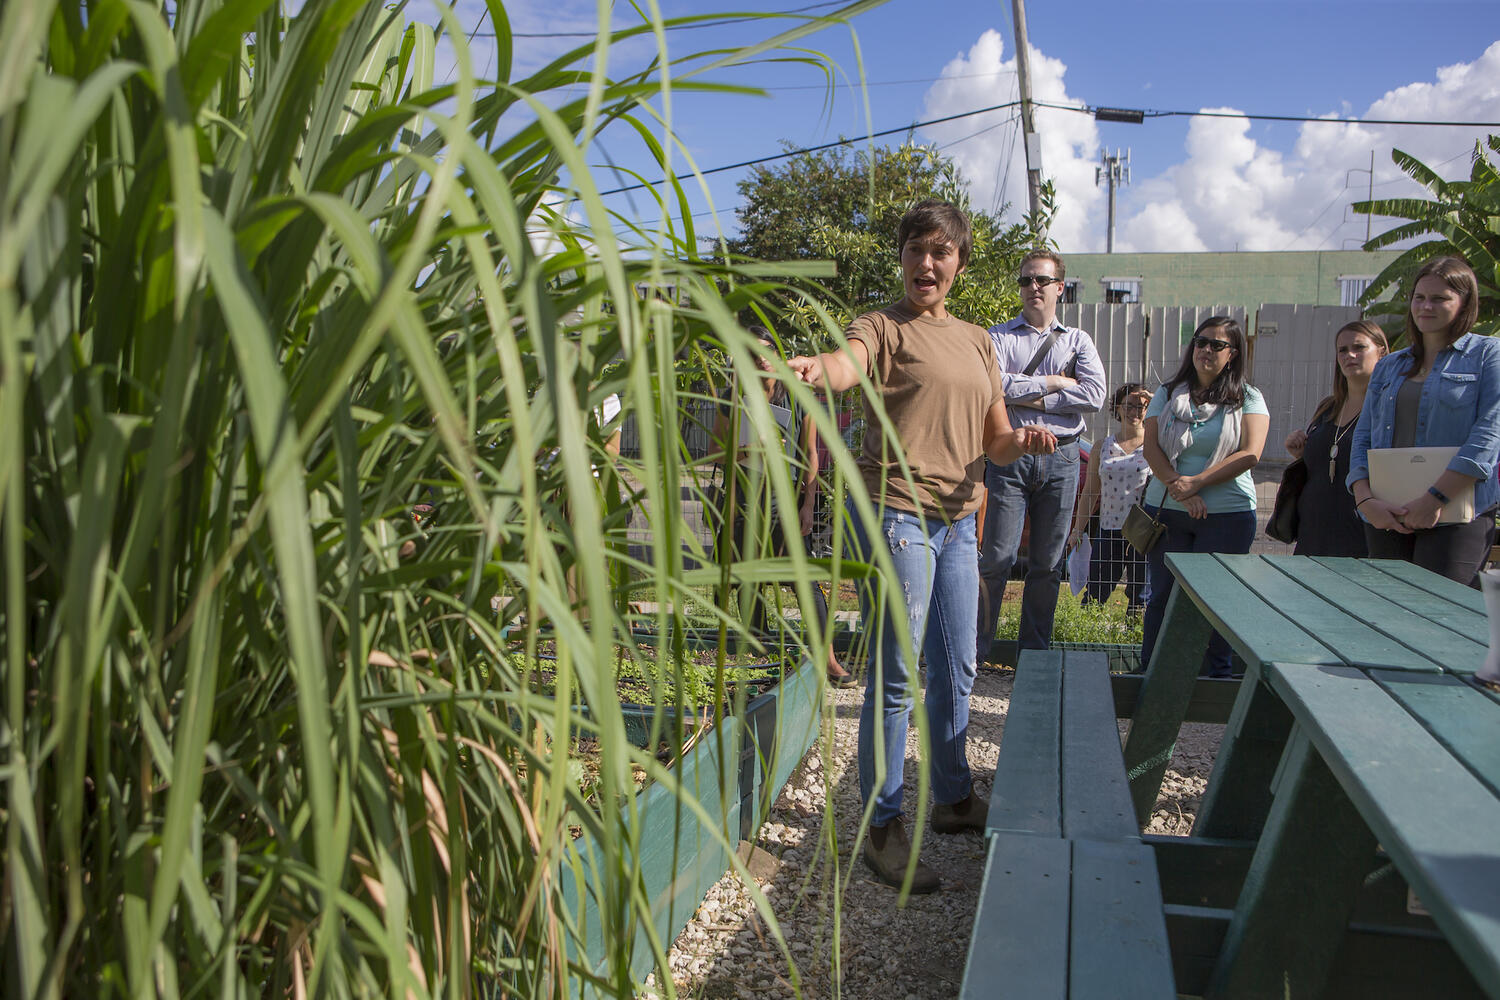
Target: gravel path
<point>883,952</point>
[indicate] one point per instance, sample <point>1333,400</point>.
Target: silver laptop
<point>1401,474</point>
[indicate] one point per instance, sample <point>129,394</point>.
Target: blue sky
<point>1198,183</point>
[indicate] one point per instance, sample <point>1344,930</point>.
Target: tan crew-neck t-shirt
<point>937,379</point>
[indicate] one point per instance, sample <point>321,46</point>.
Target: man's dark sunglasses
<point>1217,346</point>
<point>1040,280</point>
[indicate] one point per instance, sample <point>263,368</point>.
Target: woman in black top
<point>1327,524</point>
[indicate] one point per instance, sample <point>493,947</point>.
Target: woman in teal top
<point>1205,430</point>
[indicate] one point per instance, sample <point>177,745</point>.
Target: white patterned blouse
<point>1122,476</point>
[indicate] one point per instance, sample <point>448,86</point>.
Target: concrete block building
<point>1247,279</point>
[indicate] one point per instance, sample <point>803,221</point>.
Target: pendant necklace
<point>1338,435</point>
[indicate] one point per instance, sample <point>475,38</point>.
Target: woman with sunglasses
<point>1205,429</point>
<point>1441,391</point>
<point>1326,522</point>
<point>1116,476</point>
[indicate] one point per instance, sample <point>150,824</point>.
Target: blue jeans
<point>937,572</point>
<point>1045,487</point>
<point>1230,533</point>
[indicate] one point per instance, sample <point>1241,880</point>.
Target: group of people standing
<point>1002,411</point>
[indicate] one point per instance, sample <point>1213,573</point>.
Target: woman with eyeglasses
<point>1116,476</point>
<point>1326,522</point>
<point>1441,391</point>
<point>1205,429</point>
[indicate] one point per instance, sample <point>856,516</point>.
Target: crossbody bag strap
<point>1155,518</point>
<point>1041,352</point>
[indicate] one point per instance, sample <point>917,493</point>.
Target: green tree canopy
<point>1464,219</point>
<point>846,206</point>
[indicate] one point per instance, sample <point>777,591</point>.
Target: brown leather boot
<point>887,852</point>
<point>969,813</point>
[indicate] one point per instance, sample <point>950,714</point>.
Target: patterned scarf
<point>1174,430</point>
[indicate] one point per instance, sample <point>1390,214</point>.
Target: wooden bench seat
<point>1061,771</point>
<point>1068,919</point>
<point>1071,904</point>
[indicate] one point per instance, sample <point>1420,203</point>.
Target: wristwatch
<point>1438,494</point>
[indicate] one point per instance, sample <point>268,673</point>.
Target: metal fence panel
<point>1138,344</point>
<point>1291,354</point>
<point>1292,365</point>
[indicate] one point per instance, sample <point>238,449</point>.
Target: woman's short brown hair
<point>941,217</point>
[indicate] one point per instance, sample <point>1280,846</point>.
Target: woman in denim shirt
<point>1441,391</point>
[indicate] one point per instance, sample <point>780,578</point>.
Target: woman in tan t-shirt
<point>935,380</point>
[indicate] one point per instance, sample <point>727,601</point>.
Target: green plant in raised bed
<point>1076,622</point>
<point>648,677</point>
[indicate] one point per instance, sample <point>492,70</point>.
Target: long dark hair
<point>1229,388</point>
<point>1457,275</point>
<point>1333,405</point>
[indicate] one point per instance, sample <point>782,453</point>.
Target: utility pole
<point>1370,196</point>
<point>1369,218</point>
<point>1028,127</point>
<point>1114,170</point>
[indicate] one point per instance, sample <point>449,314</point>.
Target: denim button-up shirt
<point>1460,406</point>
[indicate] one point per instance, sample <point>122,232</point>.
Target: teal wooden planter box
<point>735,773</point>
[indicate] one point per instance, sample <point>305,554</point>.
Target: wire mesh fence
<point>697,525</point>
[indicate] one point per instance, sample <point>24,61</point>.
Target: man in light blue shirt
<point>1053,378</point>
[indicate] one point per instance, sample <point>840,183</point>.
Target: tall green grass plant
<point>266,285</point>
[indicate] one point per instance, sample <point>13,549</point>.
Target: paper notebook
<point>1398,475</point>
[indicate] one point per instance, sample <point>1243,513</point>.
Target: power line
<point>1345,221</point>
<point>1149,113</point>
<point>1012,120</point>
<point>679,27</point>
<point>988,128</point>
<point>1085,109</point>
<point>1055,107</point>
<point>896,83</point>
<point>1336,199</point>
<point>1466,151</point>
<point>827,145</point>
<point>1002,165</point>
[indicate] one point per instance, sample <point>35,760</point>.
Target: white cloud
<point>994,162</point>
<point>1226,194</point>
<point>1233,192</point>
<point>1229,190</point>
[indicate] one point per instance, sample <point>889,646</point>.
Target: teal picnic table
<point>1358,738</point>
